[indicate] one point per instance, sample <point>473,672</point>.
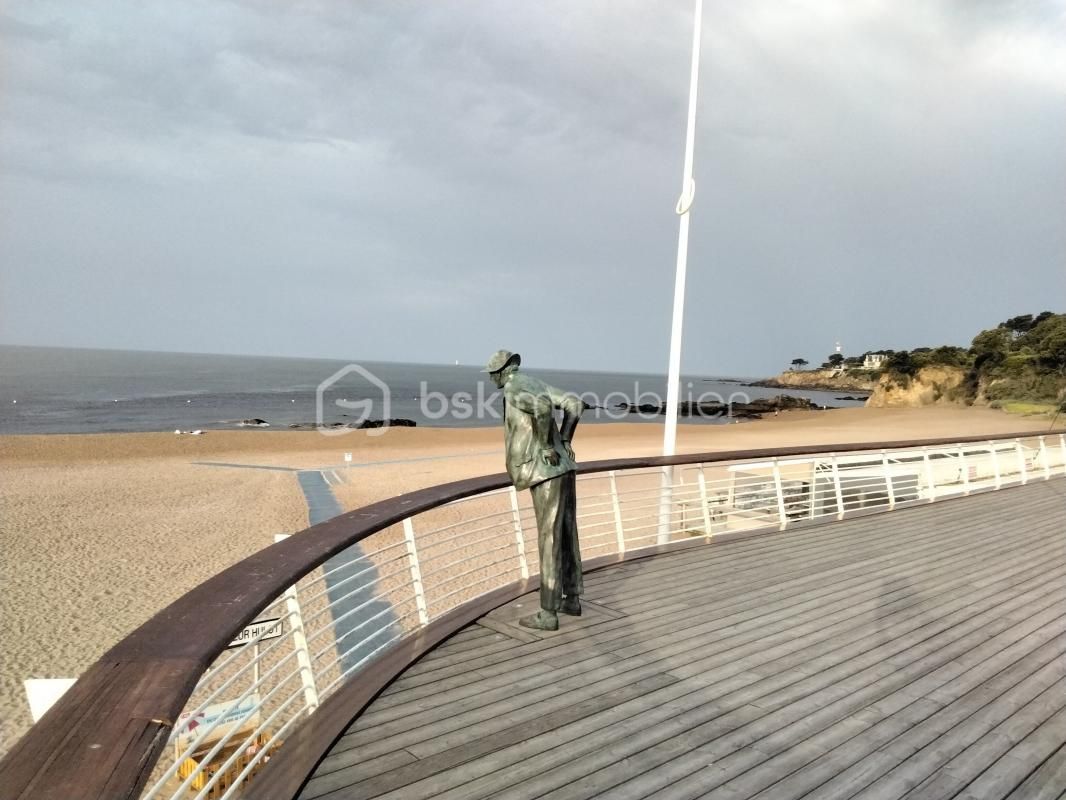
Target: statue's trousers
<point>555,504</point>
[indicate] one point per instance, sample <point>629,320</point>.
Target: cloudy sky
<point>431,181</point>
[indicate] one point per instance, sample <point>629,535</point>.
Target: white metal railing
<point>321,632</point>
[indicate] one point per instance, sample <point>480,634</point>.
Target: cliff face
<point>823,379</point>
<point>938,385</point>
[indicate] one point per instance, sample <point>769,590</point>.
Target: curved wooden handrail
<point>103,737</point>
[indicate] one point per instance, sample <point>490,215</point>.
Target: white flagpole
<point>684,205</point>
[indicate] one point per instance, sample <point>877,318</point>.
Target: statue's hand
<point>551,457</point>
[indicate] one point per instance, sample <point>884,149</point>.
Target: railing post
<point>1021,460</point>
<point>666,495</point>
<point>1062,447</point>
<point>299,642</point>
<point>836,486</point>
<point>995,464</point>
<point>619,530</point>
<point>702,480</point>
<point>416,572</point>
<point>888,481</point>
<point>964,471</point>
<point>303,652</point>
<point>782,517</point>
<point>813,494</point>
<point>929,482</point>
<point>1045,459</point>
<point>520,540</point>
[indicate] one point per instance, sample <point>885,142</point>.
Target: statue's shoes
<point>571,606</point>
<point>541,621</point>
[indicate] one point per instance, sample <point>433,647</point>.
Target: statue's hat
<point>500,359</point>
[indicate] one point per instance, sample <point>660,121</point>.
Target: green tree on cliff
<point>1018,325</point>
<point>1023,358</point>
<point>990,348</point>
<point>901,363</point>
<point>1048,342</point>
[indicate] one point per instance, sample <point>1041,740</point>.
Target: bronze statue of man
<point>540,458</point>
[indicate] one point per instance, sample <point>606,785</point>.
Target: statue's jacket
<point>530,429</point>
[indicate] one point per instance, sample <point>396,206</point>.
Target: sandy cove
<point>100,531</point>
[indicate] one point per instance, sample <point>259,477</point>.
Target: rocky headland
<point>753,409</point>
<point>929,386</point>
<point>826,380</point>
<point>932,385</point>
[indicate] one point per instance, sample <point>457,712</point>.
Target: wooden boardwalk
<point>917,654</point>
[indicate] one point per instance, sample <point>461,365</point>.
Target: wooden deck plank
<point>375,784</point>
<point>484,687</point>
<point>755,614</point>
<point>876,762</point>
<point>887,728</point>
<point>722,578</point>
<point>732,752</point>
<point>920,651</point>
<point>1023,759</point>
<point>870,529</point>
<point>859,571</point>
<point>955,741</point>
<point>911,626</point>
<point>680,622</point>
<point>442,658</point>
<point>704,577</point>
<point>334,772</point>
<point>827,554</point>
<point>980,741</point>
<point>470,638</point>
<point>646,720</point>
<point>863,577</point>
<point>1046,782</point>
<point>497,702</point>
<point>880,729</point>
<point>792,748</point>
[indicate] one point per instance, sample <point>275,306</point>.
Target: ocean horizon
<point>87,390</point>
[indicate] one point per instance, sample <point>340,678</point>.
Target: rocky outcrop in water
<point>399,422</point>
<point>386,423</point>
<point>750,410</point>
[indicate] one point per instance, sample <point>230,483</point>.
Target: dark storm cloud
<point>428,181</point>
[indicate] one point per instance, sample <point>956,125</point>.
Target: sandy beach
<point>101,531</point>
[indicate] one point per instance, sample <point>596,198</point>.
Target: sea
<point>74,390</point>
